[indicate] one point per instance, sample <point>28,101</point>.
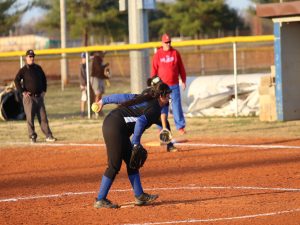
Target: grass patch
<point>63,109</point>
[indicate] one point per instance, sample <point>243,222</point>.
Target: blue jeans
<point>176,107</point>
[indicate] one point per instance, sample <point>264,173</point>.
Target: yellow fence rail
<point>127,47</point>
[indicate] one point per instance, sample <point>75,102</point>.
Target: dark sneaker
<point>171,147</point>
<point>104,203</point>
<point>145,199</point>
<point>32,140</point>
<point>50,139</point>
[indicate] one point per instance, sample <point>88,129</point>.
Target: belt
<point>35,95</point>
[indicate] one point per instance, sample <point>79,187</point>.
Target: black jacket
<point>98,68</point>
<point>34,79</point>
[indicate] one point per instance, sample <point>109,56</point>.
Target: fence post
<point>21,61</point>
<point>87,70</point>
<point>202,63</point>
<point>235,79</point>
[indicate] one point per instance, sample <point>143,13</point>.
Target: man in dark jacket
<point>32,83</point>
<point>98,75</point>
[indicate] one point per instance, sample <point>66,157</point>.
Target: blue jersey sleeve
<point>165,109</point>
<point>117,98</point>
<point>139,128</point>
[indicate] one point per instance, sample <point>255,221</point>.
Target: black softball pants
<point>118,144</point>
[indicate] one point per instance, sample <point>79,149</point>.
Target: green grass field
<point>63,109</point>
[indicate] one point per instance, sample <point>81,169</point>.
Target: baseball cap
<point>82,55</point>
<point>165,38</point>
<point>30,52</point>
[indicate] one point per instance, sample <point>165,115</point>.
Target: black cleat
<point>51,139</point>
<point>171,147</point>
<point>144,199</point>
<point>104,203</point>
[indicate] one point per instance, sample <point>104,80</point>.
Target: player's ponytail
<point>153,92</point>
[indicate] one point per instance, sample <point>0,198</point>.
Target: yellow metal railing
<point>147,45</point>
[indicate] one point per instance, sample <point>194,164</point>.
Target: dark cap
<point>30,52</point>
<point>162,89</point>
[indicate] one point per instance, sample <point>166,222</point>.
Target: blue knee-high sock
<point>104,187</point>
<point>136,184</point>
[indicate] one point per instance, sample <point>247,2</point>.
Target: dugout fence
<point>227,56</point>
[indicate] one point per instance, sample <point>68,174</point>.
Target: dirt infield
<point>206,182</point>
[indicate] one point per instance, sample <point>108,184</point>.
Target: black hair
<point>149,80</point>
<point>161,89</point>
<point>154,92</point>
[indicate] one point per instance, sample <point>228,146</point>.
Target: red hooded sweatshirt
<point>168,66</point>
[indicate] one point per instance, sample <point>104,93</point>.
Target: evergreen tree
<point>196,18</point>
<point>98,18</point>
<point>10,15</point>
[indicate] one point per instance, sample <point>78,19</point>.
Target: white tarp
<point>214,95</point>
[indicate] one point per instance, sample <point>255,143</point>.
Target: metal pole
<point>63,62</point>
<point>21,61</point>
<point>202,64</point>
<point>87,69</point>
<point>138,33</point>
<point>235,80</point>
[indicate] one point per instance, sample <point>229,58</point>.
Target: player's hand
<point>97,106</point>
<point>183,85</point>
<point>26,93</point>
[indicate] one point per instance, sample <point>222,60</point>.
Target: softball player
<point>135,114</point>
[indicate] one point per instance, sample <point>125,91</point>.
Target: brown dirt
<point>209,185</point>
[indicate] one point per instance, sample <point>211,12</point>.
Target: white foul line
<point>177,144</point>
<point>45,196</point>
<point>15,199</point>
<point>238,145</point>
<point>192,187</point>
<point>55,144</point>
<point>219,219</point>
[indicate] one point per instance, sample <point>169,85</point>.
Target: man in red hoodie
<point>167,64</point>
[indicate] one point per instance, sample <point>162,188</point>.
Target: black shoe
<point>144,199</point>
<point>50,139</point>
<point>104,203</point>
<point>33,139</point>
<point>171,147</point>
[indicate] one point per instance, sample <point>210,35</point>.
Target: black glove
<point>165,136</point>
<point>138,157</point>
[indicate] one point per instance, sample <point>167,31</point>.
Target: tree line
<point>102,20</point>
